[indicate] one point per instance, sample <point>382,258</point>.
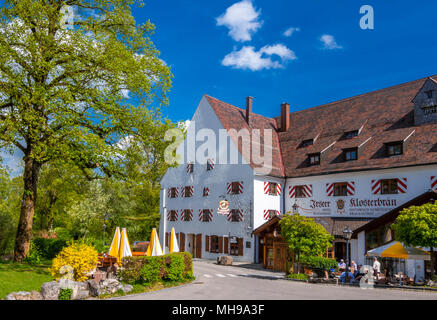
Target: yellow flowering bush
<point>79,256</point>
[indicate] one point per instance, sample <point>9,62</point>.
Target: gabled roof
<point>387,115</point>
<point>233,117</point>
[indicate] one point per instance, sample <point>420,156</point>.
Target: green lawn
<point>22,277</point>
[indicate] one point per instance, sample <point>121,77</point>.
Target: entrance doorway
<point>190,243</point>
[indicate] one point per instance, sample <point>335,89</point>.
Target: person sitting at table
<point>349,275</point>
<point>342,265</point>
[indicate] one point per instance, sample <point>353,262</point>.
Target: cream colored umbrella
<point>124,250</point>
<point>173,242</point>
<point>154,248</point>
<point>115,244</point>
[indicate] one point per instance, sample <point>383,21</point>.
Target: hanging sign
<point>223,207</point>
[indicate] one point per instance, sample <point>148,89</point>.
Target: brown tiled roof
<point>384,115</point>
<point>232,117</point>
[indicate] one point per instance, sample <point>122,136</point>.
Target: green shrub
<point>318,262</point>
<point>49,248</point>
<point>152,270</point>
<point>149,270</point>
<point>34,256</point>
<point>298,276</point>
<point>176,268</point>
<point>65,294</point>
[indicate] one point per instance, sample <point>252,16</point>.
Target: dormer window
<point>350,154</point>
<point>351,134</point>
<point>394,148</point>
<point>306,143</point>
<point>314,159</point>
<point>429,110</point>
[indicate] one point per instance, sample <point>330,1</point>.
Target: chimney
<point>248,109</point>
<point>285,117</point>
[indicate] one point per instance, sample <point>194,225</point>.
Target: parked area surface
<point>216,282</point>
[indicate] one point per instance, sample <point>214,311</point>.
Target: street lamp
<point>347,232</point>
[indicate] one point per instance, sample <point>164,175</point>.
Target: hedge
<point>49,248</point>
<point>148,270</point>
<point>318,262</point>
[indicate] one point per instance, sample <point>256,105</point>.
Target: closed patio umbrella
<point>115,244</point>
<point>154,248</point>
<point>173,242</point>
<point>124,250</point>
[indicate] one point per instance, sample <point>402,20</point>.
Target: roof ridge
<point>364,94</point>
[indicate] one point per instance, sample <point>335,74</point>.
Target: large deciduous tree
<point>304,236</point>
<point>72,92</point>
<point>417,226</point>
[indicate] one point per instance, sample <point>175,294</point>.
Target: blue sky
<point>194,39</point>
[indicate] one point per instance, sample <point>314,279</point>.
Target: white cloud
<point>242,20</point>
<point>329,42</point>
<point>249,58</point>
<point>289,32</point>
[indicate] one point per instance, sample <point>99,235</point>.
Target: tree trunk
<point>24,231</point>
<point>432,262</point>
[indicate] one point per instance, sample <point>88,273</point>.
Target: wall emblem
<point>223,207</point>
<point>340,206</point>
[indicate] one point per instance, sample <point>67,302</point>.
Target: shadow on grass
<point>41,268</point>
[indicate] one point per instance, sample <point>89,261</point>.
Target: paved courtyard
<point>215,282</point>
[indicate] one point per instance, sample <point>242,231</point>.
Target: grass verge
<point>22,277</point>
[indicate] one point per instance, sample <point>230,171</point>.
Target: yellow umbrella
<point>154,248</point>
<point>395,249</point>
<point>173,242</point>
<point>115,245</point>
<point>124,250</point>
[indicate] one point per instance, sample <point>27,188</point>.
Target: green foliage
<point>417,226</point>
<point>298,276</point>
<point>49,248</point>
<point>318,262</point>
<point>304,236</point>
<point>87,97</point>
<point>34,256</point>
<point>65,294</point>
<point>150,270</point>
<point>10,190</point>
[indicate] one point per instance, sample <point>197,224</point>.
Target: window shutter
<point>220,244</point>
<point>199,246</point>
<point>240,246</point>
<point>226,245</point>
<point>206,243</point>
<point>182,242</point>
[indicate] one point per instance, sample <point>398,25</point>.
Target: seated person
<point>349,275</point>
<point>342,265</point>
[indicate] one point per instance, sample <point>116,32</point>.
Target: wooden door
<point>198,246</point>
<point>279,256</point>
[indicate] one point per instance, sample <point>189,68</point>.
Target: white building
<point>343,163</point>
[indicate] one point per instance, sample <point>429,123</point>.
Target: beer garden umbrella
<point>396,249</point>
<point>154,248</point>
<point>173,242</point>
<point>124,250</point>
<point>115,244</point>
